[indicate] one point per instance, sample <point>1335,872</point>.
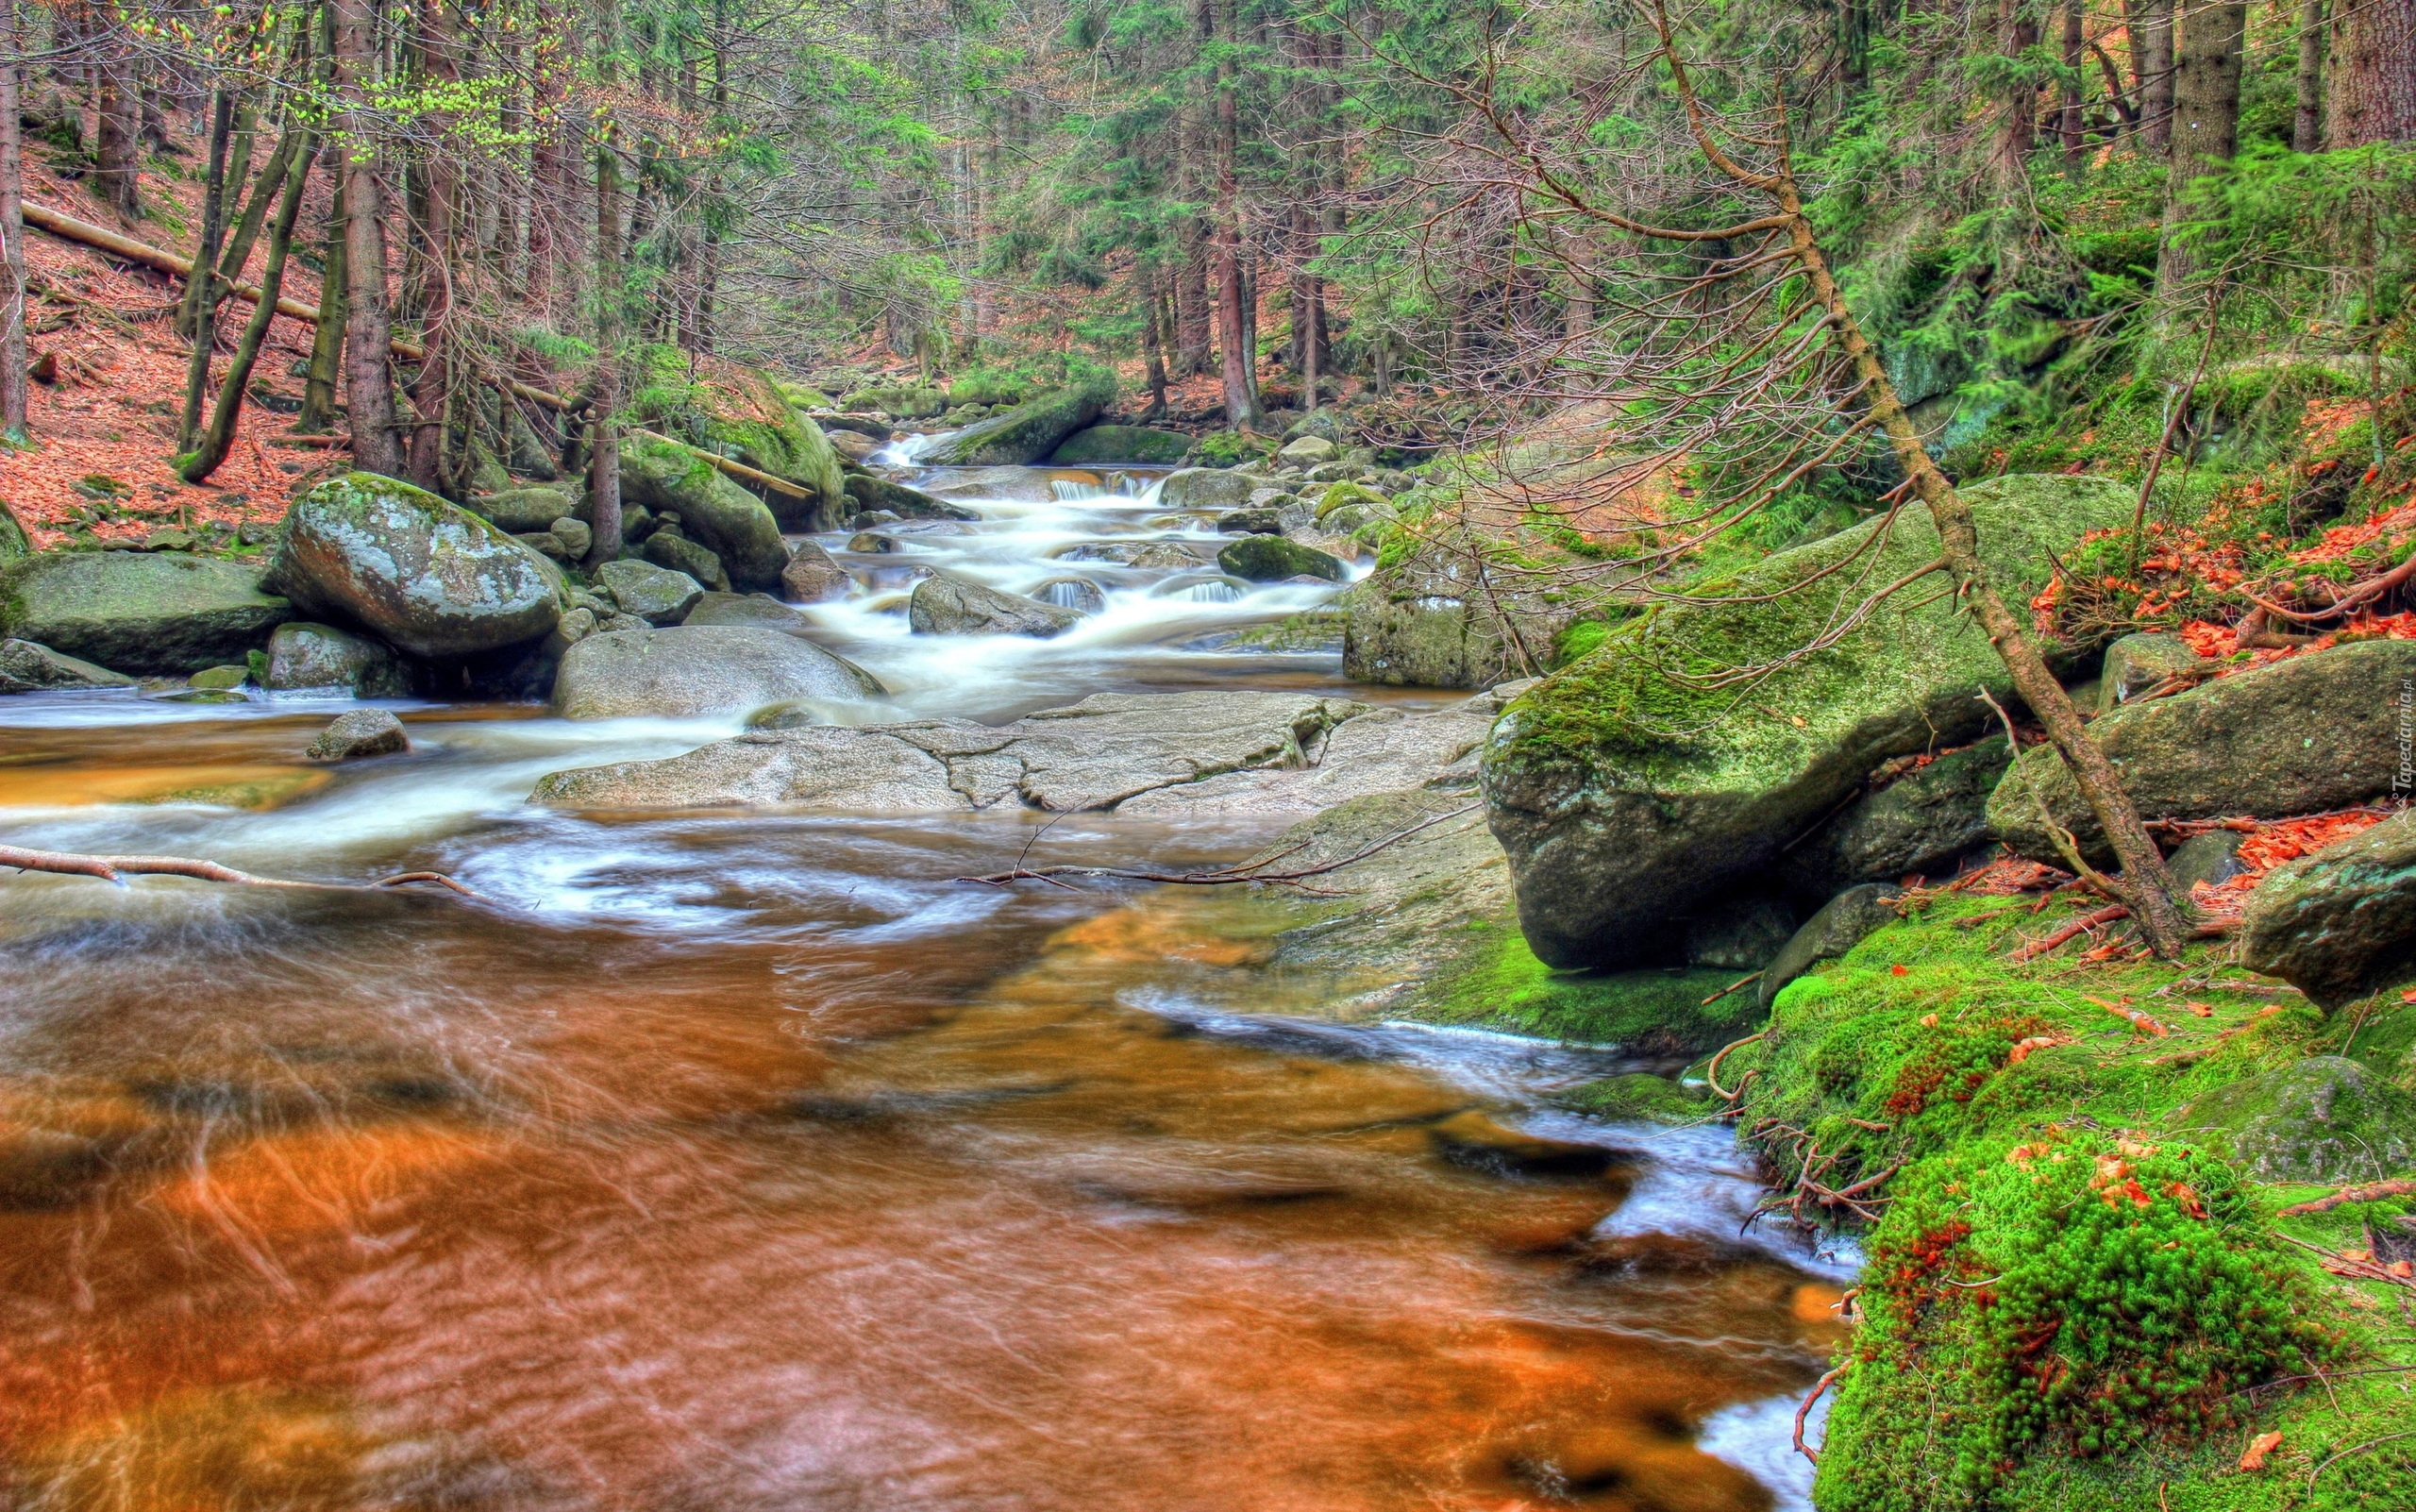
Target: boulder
<point>672,551</point>
<point>905,401</point>
<point>656,595</point>
<point>747,416</point>
<point>852,447</point>
<point>27,667</point>
<point>220,679</point>
<point>526,452</point>
<point>1095,754</point>
<point>760,611</point>
<point>1626,800</point>
<point>1919,822</point>
<point>357,734</point>
<point>1027,432</point>
<point>422,575</point>
<point>812,578</point>
<point>1842,923</point>
<point>2212,858</point>
<point>1079,595</point>
<point>1135,446</point>
<point>2325,1119</point>
<point>1742,933</point>
<point>517,510</point>
<point>869,493</point>
<point>1346,496</point>
<point>1272,558</point>
<point>1206,488</point>
<point>946,604</point>
<point>714,511</point>
<point>15,546</point>
<point>138,612</point>
<point>2137,662</point>
<point>699,669</point>
<point>1307,451</point>
<point>1251,522</point>
<point>1420,624</point>
<point>2341,923</point>
<point>2317,731</point>
<point>573,537</point>
<point>1133,553</point>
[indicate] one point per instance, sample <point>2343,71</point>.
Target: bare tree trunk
<point>369,331</point>
<point>2307,121</point>
<point>326,344</point>
<point>215,442</point>
<point>433,392</point>
<point>2374,74</point>
<point>12,237</point>
<point>2068,121</point>
<point>265,193</point>
<point>2018,119</point>
<point>116,148</point>
<point>2206,124</point>
<point>1233,334</point>
<point>604,469</point>
<point>2155,73</point>
<point>201,288</point>
<point>1153,340</point>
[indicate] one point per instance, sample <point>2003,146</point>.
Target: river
<point>757,1162</point>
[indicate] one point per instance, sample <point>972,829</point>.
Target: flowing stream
<point>738,1162</point>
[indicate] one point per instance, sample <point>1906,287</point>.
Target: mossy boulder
<point>1272,558</point>
<point>1919,823</point>
<point>308,658</point>
<point>659,596</point>
<point>2340,923</point>
<point>1629,791</point>
<point>1139,445</point>
<point>2314,732</point>
<point>1205,488</point>
<point>155,612</point>
<point>1029,431</point>
<point>517,511</point>
<point>867,491</point>
<point>1344,494</point>
<point>428,577</point>
<point>2137,662</point>
<point>904,400</point>
<point>15,546</point>
<point>2325,1119</point>
<point>726,519</point>
<point>1422,623</point>
<point>675,553</point>
<point>748,418</point>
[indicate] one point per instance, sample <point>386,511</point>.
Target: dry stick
<point>2357,1449</point>
<point>1740,981</point>
<point>117,868</point>
<point>1805,1411</point>
<point>2373,1192</point>
<point>1222,877</point>
<point>2079,925</point>
<point>2341,1265</point>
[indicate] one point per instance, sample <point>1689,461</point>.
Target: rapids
<point>736,1162</point>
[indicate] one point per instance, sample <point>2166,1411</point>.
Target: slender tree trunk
<point>326,344</point>
<point>2068,121</point>
<point>224,415</point>
<point>2018,121</point>
<point>1153,340</point>
<point>13,236</point>
<point>2155,74</point>
<point>1232,335</point>
<point>2306,119</point>
<point>433,392</point>
<point>2205,125</point>
<point>264,195</point>
<point>369,391</point>
<point>604,468</point>
<point>116,147</point>
<point>201,287</point>
<point>2374,74</point>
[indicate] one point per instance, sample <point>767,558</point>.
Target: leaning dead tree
<point>1717,362</point>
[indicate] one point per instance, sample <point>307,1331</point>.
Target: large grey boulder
<point>140,612</point>
<point>691,670</point>
<point>2341,923</point>
<point>1138,445</point>
<point>2314,732</point>
<point>946,604</point>
<point>308,658</point>
<point>656,595</point>
<point>1628,799</point>
<point>1095,754</point>
<point>714,511</point>
<point>1920,823</point>
<point>756,611</point>
<point>1026,433</point>
<point>27,667</point>
<point>426,577</point>
<point>812,577</point>
<point>673,551</point>
<point>1206,488</point>
<point>2325,1119</point>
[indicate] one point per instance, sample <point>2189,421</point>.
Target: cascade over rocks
<point>1095,754</point>
<point>155,612</point>
<point>715,512</point>
<point>2341,923</point>
<point>946,604</point>
<point>699,669</point>
<point>2317,731</point>
<point>424,576</point>
<point>1027,432</point>
<point>1627,801</point>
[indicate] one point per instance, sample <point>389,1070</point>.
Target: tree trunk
<point>116,171</point>
<point>1153,340</point>
<point>264,195</point>
<point>12,237</point>
<point>2155,73</point>
<point>2068,121</point>
<point>433,392</point>
<point>215,442</point>
<point>2374,74</point>
<point>2017,120</point>
<point>604,473</point>
<point>2206,124</point>
<point>368,329</point>
<point>2306,119</point>
<point>201,289</point>
<point>326,344</point>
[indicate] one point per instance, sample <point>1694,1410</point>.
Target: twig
<point>1805,1411</point>
<point>2373,1192</point>
<point>2079,925</point>
<point>1711,1072</point>
<point>2357,1449</point>
<point>1740,981</point>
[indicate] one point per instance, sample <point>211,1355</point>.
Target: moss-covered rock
<point>28,667</point>
<point>748,418</point>
<point>1423,622</point>
<point>867,491</point>
<point>726,519</point>
<point>536,508</point>
<point>1920,824</point>
<point>1638,784</point>
<point>158,612</point>
<point>15,546</point>
<point>1344,494</point>
<point>2314,732</point>
<point>903,400</point>
<point>2326,1118</point>
<point>1272,558</point>
<point>1138,445</point>
<point>428,577</point>
<point>2340,923</point>
<point>1029,431</point>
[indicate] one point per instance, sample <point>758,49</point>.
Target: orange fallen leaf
<point>2400,1269</point>
<point>2258,1447</point>
<point>1895,971</point>
<point>2021,1049</point>
<point>1928,1020</point>
<point>2201,1009</point>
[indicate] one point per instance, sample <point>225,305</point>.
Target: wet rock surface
<point>691,670</point>
<point>359,733</point>
<point>27,667</point>
<point>946,604</point>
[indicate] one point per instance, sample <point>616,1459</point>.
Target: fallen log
<point>68,228</point>
<point>738,470</point>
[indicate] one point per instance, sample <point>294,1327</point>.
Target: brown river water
<point>728,1162</point>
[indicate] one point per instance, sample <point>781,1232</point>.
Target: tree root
<point>2079,925</point>
<point>1805,1412</point>
<point>118,868</point>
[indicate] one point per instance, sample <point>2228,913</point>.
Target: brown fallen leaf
<point>2258,1447</point>
<point>2202,1010</point>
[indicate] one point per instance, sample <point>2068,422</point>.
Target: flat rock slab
<point>698,670</point>
<point>1384,751</point>
<point>1095,754</point>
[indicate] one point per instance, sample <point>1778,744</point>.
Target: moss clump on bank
<point>2071,1301</point>
<point>1499,982</point>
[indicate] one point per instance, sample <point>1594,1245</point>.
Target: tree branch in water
<point>118,868</point>
<point>1247,872</point>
